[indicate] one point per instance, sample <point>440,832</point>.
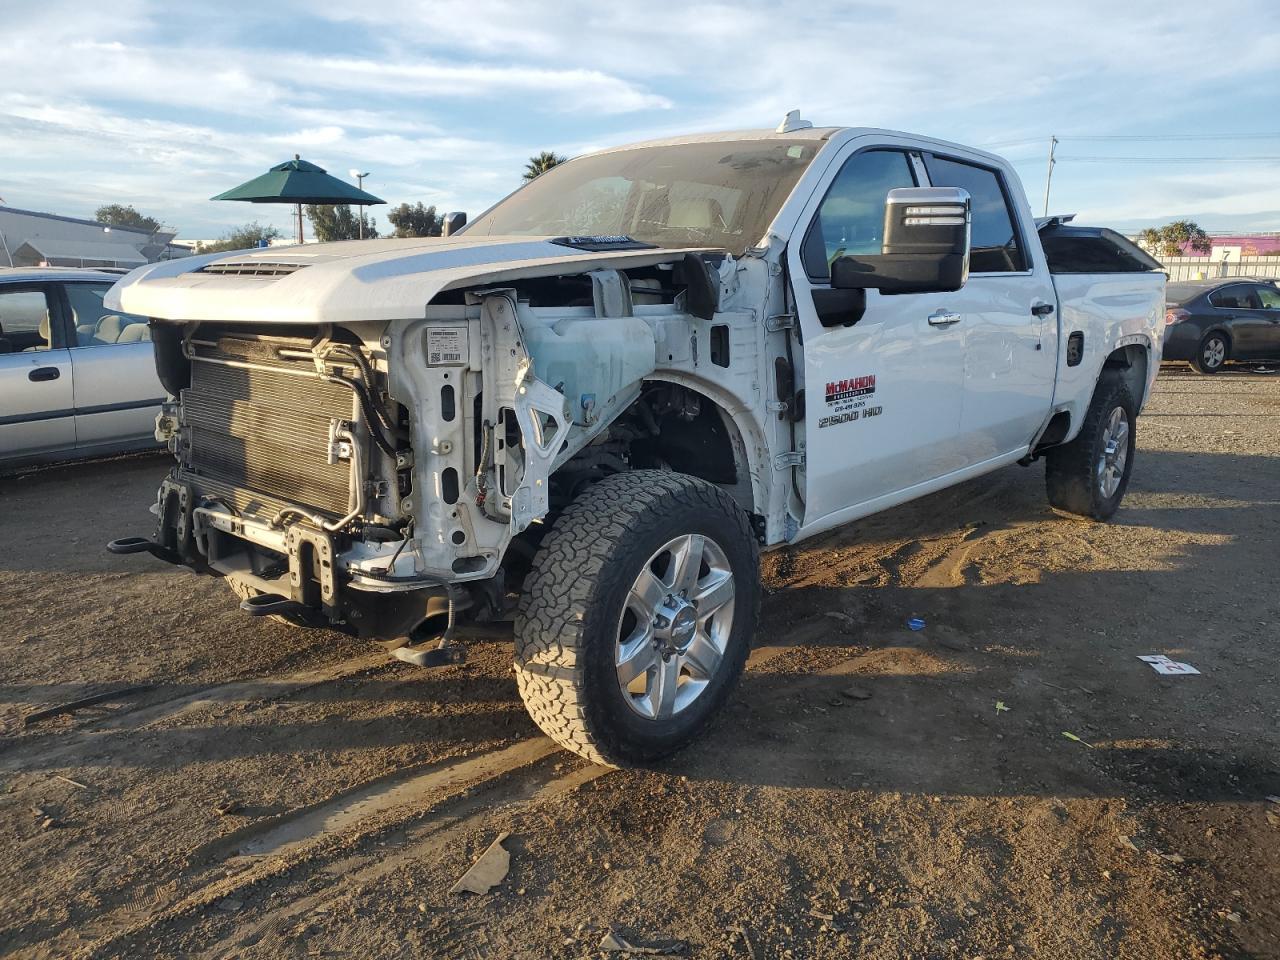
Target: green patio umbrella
<point>296,181</point>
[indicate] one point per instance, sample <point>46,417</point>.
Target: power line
<point>1070,159</point>
<point>1137,138</point>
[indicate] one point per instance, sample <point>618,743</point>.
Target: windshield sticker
<point>847,401</point>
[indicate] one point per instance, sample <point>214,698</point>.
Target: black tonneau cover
<point>1072,249</point>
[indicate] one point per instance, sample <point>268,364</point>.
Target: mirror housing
<point>452,223</point>
<point>926,245</point>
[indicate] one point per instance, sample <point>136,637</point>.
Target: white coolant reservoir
<point>589,359</point>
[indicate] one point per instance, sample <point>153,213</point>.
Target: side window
<point>1236,297</point>
<point>94,324</point>
<point>24,320</point>
<point>1269,297</point>
<point>996,248</point>
<point>851,218</point>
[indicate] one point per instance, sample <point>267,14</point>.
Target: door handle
<point>44,373</point>
<point>941,318</point>
<point>1041,309</point>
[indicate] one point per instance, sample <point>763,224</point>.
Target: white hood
<point>349,281</point>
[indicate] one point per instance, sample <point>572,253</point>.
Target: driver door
<point>883,394</point>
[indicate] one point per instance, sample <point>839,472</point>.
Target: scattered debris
<point>229,904</point>
<point>74,783</point>
<point>1071,736</point>
<point>73,705</point>
<point>842,617</point>
<point>50,823</point>
<point>1128,844</point>
<point>226,806</point>
<point>1173,857</point>
<point>1233,917</point>
<point>1273,819</point>
<point>856,693</point>
<point>916,623</point>
<point>615,942</point>
<point>1273,799</point>
<point>1001,708</point>
<point>488,871</point>
<point>820,915</point>
<point>1162,664</point>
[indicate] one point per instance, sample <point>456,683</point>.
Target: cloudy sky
<point>163,105</point>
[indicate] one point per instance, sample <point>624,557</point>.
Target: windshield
<point>721,194</point>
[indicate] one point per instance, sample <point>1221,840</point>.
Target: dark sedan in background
<point>1209,322</point>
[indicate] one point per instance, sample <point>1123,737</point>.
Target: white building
<point>30,239</point>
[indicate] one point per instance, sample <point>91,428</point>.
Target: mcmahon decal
<point>847,401</point>
<point>838,390</point>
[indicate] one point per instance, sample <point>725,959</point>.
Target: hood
<point>348,281</point>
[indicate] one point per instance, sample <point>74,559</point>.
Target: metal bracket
<point>322,546</point>
<point>780,322</point>
<point>794,458</point>
<point>339,445</point>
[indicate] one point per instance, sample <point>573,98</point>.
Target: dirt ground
<point>870,792</point>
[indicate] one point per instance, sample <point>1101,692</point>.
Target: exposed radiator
<point>264,431</point>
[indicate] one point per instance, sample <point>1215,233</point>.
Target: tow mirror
<point>453,222</point>
<point>926,245</point>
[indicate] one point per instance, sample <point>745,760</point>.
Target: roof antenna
<point>792,122</point>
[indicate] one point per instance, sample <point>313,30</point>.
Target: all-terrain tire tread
<point>571,569</point>
<point>1068,476</point>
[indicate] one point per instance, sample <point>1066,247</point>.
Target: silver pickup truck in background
<point>601,399</point>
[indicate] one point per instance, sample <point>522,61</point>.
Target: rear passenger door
<point>1007,312</point>
<point>117,391</point>
<point>36,394</point>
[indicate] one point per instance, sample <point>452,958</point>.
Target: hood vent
<point>251,268</point>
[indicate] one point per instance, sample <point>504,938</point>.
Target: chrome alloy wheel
<point>1215,352</point>
<point>675,626</point>
<point>1115,453</point>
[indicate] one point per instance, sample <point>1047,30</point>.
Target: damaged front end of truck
<point>389,478</point>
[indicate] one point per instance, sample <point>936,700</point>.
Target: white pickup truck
<point>598,401</point>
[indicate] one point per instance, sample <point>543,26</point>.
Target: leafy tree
<point>120,215</point>
<point>1173,238</point>
<point>337,222</point>
<point>415,221</point>
<point>241,238</point>
<point>542,162</point>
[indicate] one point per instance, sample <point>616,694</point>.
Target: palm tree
<point>541,163</point>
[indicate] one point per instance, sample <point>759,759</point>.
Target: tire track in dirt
<point>262,690</point>
<point>430,806</point>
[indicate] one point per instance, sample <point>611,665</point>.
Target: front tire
<point>1211,354</point>
<point>637,616</point>
<point>1088,476</point>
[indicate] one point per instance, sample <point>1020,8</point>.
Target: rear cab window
<point>996,244</point>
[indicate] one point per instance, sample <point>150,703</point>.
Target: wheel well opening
<point>1129,363</point>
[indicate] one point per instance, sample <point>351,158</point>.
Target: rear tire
<point>1212,353</point>
<point>612,660</point>
<point>1088,476</point>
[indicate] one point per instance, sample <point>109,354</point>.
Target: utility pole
<point>355,172</point>
<point>1053,146</point>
